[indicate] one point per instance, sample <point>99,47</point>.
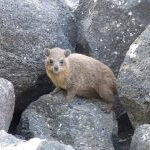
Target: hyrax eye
<point>61,62</point>
<point>51,61</point>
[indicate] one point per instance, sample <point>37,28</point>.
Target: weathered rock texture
<point>106,28</point>
<point>134,80</point>
<point>7,103</point>
<point>83,124</point>
<point>26,28</point>
<point>10,142</point>
<point>141,138</point>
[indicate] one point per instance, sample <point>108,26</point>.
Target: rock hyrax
<point>80,75</point>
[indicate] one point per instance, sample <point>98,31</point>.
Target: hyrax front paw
<point>67,103</point>
<point>56,90</point>
<point>107,109</point>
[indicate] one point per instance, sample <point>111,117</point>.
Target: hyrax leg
<point>71,92</point>
<point>107,95</point>
<point>56,90</point>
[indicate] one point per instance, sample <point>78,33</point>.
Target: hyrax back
<point>80,75</point>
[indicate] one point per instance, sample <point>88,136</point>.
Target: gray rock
<point>126,4</point>
<point>134,80</point>
<point>82,124</point>
<point>141,138</point>
<point>7,103</point>
<point>26,28</point>
<point>106,28</point>
<point>10,142</point>
<point>73,4</point>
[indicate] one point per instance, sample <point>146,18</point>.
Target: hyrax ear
<point>47,52</point>
<point>67,52</point>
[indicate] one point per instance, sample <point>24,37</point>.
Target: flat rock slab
<point>7,103</point>
<point>82,124</point>
<point>134,80</point>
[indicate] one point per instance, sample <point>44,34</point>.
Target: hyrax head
<point>56,60</point>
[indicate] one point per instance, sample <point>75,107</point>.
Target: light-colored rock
<point>7,103</point>
<point>141,138</point>
<point>10,142</point>
<point>83,124</point>
<point>73,4</point>
<point>134,80</point>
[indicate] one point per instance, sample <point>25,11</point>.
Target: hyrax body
<point>80,75</point>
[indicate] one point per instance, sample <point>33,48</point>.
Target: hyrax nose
<point>56,68</point>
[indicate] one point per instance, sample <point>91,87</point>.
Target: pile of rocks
<point>113,31</point>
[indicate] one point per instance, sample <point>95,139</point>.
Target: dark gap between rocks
<point>125,132</point>
<point>41,87</point>
<point>83,48</point>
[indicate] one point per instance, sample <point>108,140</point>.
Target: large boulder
<point>26,28</point>
<point>7,103</point>
<point>134,80</point>
<point>141,138</point>
<point>106,28</point>
<point>10,142</point>
<point>82,124</point>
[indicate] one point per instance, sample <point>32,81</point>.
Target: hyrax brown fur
<point>80,75</point>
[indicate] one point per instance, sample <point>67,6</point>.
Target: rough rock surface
<point>73,4</point>
<point>10,142</point>
<point>106,28</point>
<point>141,138</point>
<point>7,103</point>
<point>83,124</point>
<point>134,80</point>
<point>26,28</point>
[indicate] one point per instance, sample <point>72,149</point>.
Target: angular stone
<point>106,28</point>
<point>82,124</point>
<point>26,28</point>
<point>7,103</point>
<point>141,138</point>
<point>10,142</point>
<point>134,79</point>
